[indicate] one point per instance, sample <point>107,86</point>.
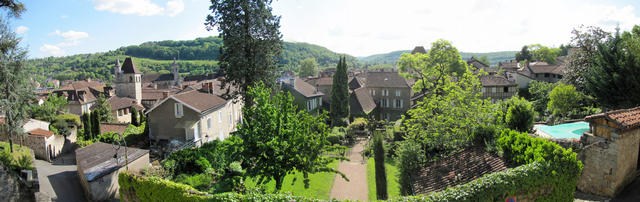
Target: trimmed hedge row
<point>135,188</point>
<point>549,173</point>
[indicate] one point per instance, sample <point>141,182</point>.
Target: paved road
<point>59,180</point>
<point>356,171</point>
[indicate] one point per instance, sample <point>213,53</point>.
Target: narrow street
<point>59,180</point>
<point>356,171</point>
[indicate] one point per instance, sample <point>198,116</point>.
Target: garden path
<point>356,171</point>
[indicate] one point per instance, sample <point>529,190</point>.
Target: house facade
<point>305,96</point>
<point>121,108</point>
<point>81,95</point>
<point>195,116</point>
<point>390,92</point>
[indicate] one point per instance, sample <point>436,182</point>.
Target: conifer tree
<point>87,126</point>
<point>339,109</point>
<point>95,124</point>
<point>134,116</point>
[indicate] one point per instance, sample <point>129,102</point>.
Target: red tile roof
<point>625,118</point>
<point>460,168</point>
<point>40,133</point>
<point>113,127</point>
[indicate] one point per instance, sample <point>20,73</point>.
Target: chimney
<point>88,79</point>
<point>155,86</point>
<point>165,94</point>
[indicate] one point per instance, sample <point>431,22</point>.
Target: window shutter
<point>219,117</point>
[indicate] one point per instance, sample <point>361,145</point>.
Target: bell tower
<point>129,81</point>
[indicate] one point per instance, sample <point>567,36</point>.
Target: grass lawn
<point>393,188</point>
<point>17,150</point>
<point>319,184</point>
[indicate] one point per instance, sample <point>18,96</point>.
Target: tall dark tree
<point>17,90</point>
<point>613,74</point>
<point>381,173</point>
<point>252,42</point>
<point>134,116</point>
<point>339,109</point>
<point>87,127</point>
<point>524,54</point>
<point>95,125</point>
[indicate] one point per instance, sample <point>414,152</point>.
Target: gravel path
<point>356,171</point>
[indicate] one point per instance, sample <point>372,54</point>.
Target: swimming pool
<point>567,130</point>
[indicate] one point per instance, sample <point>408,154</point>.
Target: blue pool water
<point>568,130</point>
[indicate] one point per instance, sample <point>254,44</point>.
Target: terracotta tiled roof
<point>128,67</point>
<point>123,102</point>
<point>495,80</point>
<point>361,102</point>
<point>555,69</point>
<point>460,168</point>
<point>385,80</point>
<point>113,127</point>
<point>625,118</point>
<point>39,132</point>
<point>200,100</point>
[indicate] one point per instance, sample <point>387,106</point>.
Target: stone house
<point>195,116</point>
<point>121,108</point>
<point>99,165</point>
<point>305,96</point>
<point>44,143</point>
<point>610,152</point>
<point>390,92</point>
<point>81,95</point>
<point>495,84</point>
<point>165,81</point>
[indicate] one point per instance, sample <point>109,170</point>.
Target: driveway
<point>59,180</point>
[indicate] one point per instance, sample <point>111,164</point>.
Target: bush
<point>484,135</point>
<point>199,181</point>
<point>337,135</point>
<point>381,174</point>
<point>109,137</point>
<point>409,161</point>
<point>5,158</point>
<point>25,162</point>
<point>71,119</point>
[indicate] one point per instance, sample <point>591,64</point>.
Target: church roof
<point>128,67</point>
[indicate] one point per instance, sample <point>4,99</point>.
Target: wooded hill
<point>392,57</point>
<point>194,56</point>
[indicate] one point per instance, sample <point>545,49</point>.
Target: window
<point>196,131</point>
<point>397,93</point>
<point>387,102</point>
<point>320,102</point>
<point>383,102</point>
<point>546,75</point>
<point>506,89</point>
<point>373,92</point>
<point>493,89</point>
<point>398,103</point>
<point>221,135</point>
<point>178,110</point>
<point>119,112</point>
<point>209,123</point>
<point>385,92</point>
<point>219,117</point>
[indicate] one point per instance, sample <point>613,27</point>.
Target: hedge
<point>156,189</point>
<point>547,172</point>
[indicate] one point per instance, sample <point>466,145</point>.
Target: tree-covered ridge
<point>194,56</point>
<point>393,57</point>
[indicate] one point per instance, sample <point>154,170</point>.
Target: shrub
<point>381,174</point>
<point>409,162</point>
<point>199,181</point>
<point>109,137</point>
<point>337,135</point>
<point>71,119</point>
<point>25,162</point>
<point>484,134</point>
<point>6,158</point>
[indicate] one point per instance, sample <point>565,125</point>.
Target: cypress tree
<point>381,174</point>
<point>87,126</point>
<point>134,116</point>
<point>95,123</point>
<point>339,110</point>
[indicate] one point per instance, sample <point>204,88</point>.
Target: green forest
<point>392,57</point>
<point>194,56</point>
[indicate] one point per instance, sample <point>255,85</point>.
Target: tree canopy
<point>562,99</point>
<point>252,41</point>
<point>308,67</point>
<point>278,139</point>
<point>49,109</point>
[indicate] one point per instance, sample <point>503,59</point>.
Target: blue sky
<point>356,27</point>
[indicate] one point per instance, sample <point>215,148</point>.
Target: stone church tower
<point>128,80</point>
<point>177,81</point>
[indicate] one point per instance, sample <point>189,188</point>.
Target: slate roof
<point>508,65</point>
<point>304,88</point>
<point>385,80</point>
<point>361,102</point>
<point>113,127</point>
<point>201,101</point>
<point>495,80</point>
<point>81,91</point>
<point>625,118</point>
<point>123,102</point>
<point>460,168</point>
<point>128,67</point>
<point>356,82</point>
<point>156,77</point>
<point>199,77</point>
<point>39,132</point>
<point>96,160</point>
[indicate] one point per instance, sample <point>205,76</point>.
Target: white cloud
<point>365,27</point>
<point>21,29</point>
<point>64,16</point>
<point>51,50</point>
<point>71,35</point>
<point>139,7</point>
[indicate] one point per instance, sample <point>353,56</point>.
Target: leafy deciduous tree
<point>279,139</point>
<point>562,99</point>
<point>524,54</point>
<point>308,67</point>
<point>134,116</point>
<point>49,109</point>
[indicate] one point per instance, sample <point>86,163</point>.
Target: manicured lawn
<point>393,188</point>
<point>319,184</point>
